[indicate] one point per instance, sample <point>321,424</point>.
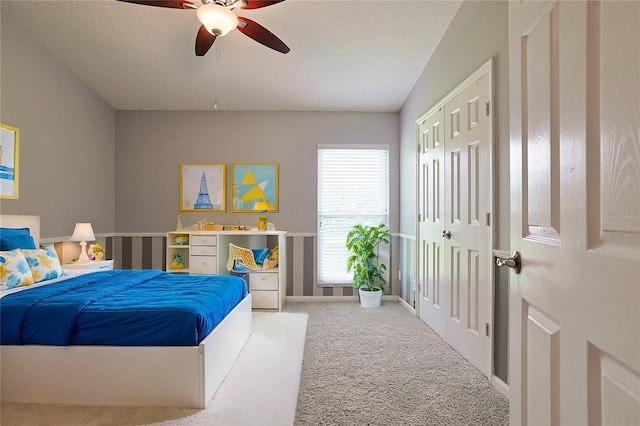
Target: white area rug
<point>261,388</point>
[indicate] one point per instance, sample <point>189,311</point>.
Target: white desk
<point>207,252</point>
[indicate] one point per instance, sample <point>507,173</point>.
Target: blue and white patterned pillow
<point>14,269</point>
<point>43,263</point>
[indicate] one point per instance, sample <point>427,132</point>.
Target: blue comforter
<point>120,307</point>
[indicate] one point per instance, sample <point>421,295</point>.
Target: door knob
<point>511,262</point>
<point>446,234</point>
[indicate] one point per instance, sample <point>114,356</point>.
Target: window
<point>353,187</point>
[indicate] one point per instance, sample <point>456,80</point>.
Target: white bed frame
<point>176,376</point>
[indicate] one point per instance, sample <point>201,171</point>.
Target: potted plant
<point>368,273</point>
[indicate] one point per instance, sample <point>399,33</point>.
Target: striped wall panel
<point>407,266</point>
<point>132,251</point>
<point>137,252</point>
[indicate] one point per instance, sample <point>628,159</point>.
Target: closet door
<point>431,219</point>
<point>455,259</point>
<point>468,251</point>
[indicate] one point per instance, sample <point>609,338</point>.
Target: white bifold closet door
<point>455,289</point>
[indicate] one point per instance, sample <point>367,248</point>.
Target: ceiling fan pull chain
<point>215,78</point>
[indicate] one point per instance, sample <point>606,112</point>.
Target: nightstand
<point>96,264</point>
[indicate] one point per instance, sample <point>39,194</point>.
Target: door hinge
<point>486,329</point>
<point>486,109</point>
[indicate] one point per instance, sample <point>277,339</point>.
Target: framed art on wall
<point>202,187</point>
<point>9,156</point>
<point>254,182</point>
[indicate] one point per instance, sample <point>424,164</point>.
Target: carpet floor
<point>384,366</point>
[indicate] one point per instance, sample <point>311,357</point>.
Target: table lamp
<point>262,207</point>
<point>82,233</point>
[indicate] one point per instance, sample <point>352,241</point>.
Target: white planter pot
<point>370,299</point>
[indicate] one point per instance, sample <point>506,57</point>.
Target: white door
<point>454,241</point>
<point>468,254</point>
<point>574,340</point>
<point>431,219</point>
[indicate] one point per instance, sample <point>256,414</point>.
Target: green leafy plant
<point>363,242</point>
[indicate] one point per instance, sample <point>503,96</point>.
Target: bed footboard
<point>177,376</point>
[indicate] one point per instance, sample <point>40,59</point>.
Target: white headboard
<point>23,221</point>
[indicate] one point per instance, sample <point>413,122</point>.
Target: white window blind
<point>353,187</point>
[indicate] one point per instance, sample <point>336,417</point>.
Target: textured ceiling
<point>346,55</point>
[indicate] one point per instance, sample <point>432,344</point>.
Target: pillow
<point>14,232</point>
<point>43,263</point>
<point>17,242</point>
<point>260,255</point>
<point>14,269</point>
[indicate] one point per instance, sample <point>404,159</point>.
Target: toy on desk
<point>178,262</point>
<point>272,261</point>
<point>95,252</point>
<point>182,240</point>
<point>240,259</point>
<point>235,228</point>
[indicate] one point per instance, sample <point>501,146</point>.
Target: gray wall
<point>150,146</point>
<point>67,136</point>
<point>478,32</point>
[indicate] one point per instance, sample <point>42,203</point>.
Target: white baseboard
<point>500,386</point>
<point>408,307</point>
<point>391,298</point>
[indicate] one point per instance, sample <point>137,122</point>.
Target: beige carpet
<point>386,367</point>
<point>261,388</point>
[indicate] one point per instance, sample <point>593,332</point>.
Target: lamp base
<point>84,258</point>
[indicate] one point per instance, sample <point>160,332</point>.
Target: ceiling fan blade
<point>204,41</point>
<point>261,34</point>
<point>174,4</point>
<point>257,4</point>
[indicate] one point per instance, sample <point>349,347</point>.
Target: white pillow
<point>14,269</point>
<point>43,263</point>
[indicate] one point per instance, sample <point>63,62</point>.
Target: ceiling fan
<point>218,19</point>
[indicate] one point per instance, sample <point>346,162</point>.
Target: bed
<point>90,366</point>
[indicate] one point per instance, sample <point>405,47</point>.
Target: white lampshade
<point>83,232</point>
<point>217,19</point>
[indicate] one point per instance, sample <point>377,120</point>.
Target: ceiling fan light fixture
<point>217,19</point>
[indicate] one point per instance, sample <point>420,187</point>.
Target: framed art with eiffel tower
<point>254,182</point>
<point>202,187</point>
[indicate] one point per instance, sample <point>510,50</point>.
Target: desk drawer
<point>204,250</point>
<point>203,240</point>
<point>263,281</point>
<point>264,299</point>
<point>203,265</point>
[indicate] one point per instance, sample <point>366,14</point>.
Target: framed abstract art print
<point>252,183</point>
